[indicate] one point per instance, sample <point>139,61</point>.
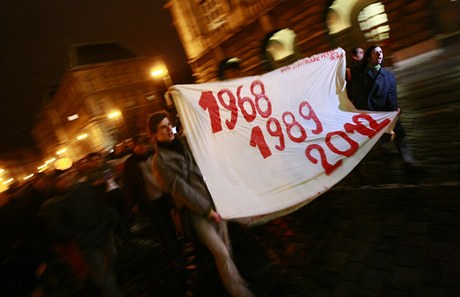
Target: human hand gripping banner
<point>270,144</point>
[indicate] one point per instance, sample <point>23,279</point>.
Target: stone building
<point>252,32</point>
<point>102,99</point>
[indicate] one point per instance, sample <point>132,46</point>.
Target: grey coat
<point>179,175</point>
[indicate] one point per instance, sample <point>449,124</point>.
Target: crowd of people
<point>79,216</point>
<point>64,217</point>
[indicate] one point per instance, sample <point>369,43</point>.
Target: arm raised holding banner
<point>374,88</point>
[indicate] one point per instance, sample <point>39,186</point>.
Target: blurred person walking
<point>357,55</point>
<point>25,246</point>
<point>143,192</point>
<point>178,174</point>
<point>103,176</point>
<point>76,215</point>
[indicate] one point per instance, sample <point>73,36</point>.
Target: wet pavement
<point>381,231</point>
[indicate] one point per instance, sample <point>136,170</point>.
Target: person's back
<point>78,215</point>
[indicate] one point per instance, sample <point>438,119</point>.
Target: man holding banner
<point>178,174</point>
<point>374,88</point>
<point>270,144</point>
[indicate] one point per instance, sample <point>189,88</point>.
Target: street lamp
<point>161,71</point>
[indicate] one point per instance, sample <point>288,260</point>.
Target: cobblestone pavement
<point>388,233</point>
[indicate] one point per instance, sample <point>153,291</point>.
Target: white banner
<point>270,144</point>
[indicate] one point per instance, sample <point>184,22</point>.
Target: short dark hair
<point>354,51</point>
<point>368,52</point>
<point>155,119</point>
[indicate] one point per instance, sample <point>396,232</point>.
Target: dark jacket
<point>369,93</point>
<point>133,180</point>
<point>79,215</point>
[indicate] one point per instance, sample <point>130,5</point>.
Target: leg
<point>160,213</point>
<point>216,239</point>
<point>100,270</point>
<point>402,145</point>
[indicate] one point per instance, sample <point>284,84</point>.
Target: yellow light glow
<point>59,152</point>
<point>50,160</point>
<point>42,166</point>
<point>157,72</point>
<point>114,114</point>
<point>72,117</point>
<point>63,164</point>
<point>82,136</point>
<point>8,181</point>
<point>29,176</point>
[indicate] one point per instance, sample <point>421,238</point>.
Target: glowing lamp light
<point>42,166</point>
<point>8,181</point>
<point>82,136</point>
<point>158,72</point>
<point>50,160</point>
<point>63,163</point>
<point>72,117</point>
<point>29,176</point>
<point>60,152</point>
<point>114,114</point>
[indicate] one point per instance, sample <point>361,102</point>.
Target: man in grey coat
<point>178,174</point>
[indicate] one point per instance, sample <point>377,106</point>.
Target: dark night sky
<point>35,36</point>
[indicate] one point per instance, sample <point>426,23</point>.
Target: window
<point>373,22</point>
<point>213,12</point>
<point>281,44</point>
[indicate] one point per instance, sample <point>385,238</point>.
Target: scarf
<point>175,145</point>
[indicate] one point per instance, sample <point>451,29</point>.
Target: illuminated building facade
<point>103,98</point>
<point>214,31</point>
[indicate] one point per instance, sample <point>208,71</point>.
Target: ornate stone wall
<point>243,25</point>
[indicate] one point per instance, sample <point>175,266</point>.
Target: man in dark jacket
<point>374,88</point>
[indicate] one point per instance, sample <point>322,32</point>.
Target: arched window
<point>281,44</point>
<point>338,16</point>
<point>373,22</point>
<point>279,48</point>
